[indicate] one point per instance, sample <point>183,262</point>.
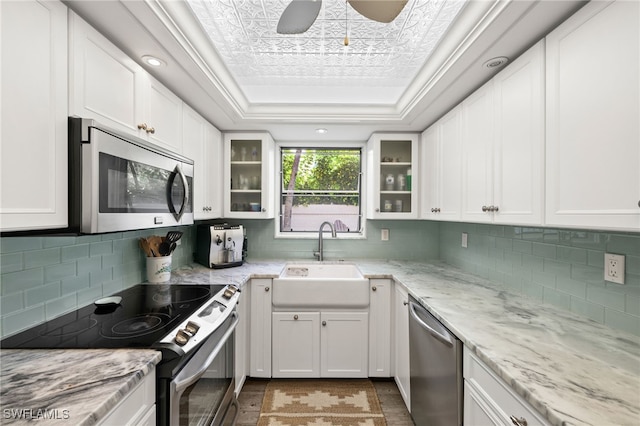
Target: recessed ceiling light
<point>496,62</point>
<point>321,131</point>
<point>153,61</point>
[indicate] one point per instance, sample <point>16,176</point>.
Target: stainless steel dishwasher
<point>436,370</point>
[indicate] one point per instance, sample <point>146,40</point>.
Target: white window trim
<point>362,235</point>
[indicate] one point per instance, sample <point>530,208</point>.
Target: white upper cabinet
<point>249,180</point>
<point>33,161</point>
<point>477,154</point>
<point>110,87</point>
<point>105,84</point>
<point>503,145</point>
<point>203,144</point>
<point>442,163</point>
<point>593,125</point>
<point>393,164</point>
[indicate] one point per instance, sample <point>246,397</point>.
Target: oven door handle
<point>182,383</point>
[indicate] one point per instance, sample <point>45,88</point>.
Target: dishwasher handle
<point>415,309</point>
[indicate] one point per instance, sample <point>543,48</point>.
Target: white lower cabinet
<point>320,344</point>
<point>260,332</point>
<point>241,339</point>
<point>137,408</point>
<point>380,327</point>
<point>490,401</point>
<point>401,343</point>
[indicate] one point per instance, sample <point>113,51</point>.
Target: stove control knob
<point>182,337</point>
<point>192,328</point>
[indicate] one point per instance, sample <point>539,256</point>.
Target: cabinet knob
<point>142,126</point>
<point>324,323</point>
<point>264,209</point>
<point>150,130</point>
<point>295,317</point>
<point>485,208</point>
<point>495,208</point>
<point>266,289</point>
<point>433,210</point>
<point>378,210</point>
<point>405,303</point>
<point>518,421</point>
<point>374,288</point>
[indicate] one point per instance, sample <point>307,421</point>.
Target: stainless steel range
<point>192,325</point>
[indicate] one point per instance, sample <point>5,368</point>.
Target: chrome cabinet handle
<point>374,288</point>
<point>518,421</point>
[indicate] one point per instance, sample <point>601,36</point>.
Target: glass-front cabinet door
<point>393,161</point>
<point>248,177</point>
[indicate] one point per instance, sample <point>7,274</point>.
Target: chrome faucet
<point>319,253</point>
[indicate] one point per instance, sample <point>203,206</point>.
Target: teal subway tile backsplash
<point>564,268</point>
<point>44,277</point>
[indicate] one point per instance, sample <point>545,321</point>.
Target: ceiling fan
<point>299,15</point>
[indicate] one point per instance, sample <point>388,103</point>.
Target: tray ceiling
<point>376,67</point>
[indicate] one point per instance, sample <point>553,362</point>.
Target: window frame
<point>362,146</point>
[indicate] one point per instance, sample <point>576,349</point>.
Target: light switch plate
<point>464,239</point>
<point>614,268</point>
<point>384,234</point>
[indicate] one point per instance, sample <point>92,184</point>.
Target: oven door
<point>127,185</point>
<point>202,393</point>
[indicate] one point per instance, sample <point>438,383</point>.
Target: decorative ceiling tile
<point>243,32</point>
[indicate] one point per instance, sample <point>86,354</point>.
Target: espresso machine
<point>220,246</point>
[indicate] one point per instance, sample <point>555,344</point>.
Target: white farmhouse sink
<point>320,285</point>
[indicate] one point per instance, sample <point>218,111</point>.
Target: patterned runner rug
<point>321,402</point>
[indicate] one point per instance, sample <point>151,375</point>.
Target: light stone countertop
<point>572,370</point>
<point>68,386</point>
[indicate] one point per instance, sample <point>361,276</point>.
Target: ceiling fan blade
<point>298,16</point>
<point>379,10</point>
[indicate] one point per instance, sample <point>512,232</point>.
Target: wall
<point>44,277</point>
<point>408,240</point>
<point>560,267</point>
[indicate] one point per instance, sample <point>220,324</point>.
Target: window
<point>318,185</point>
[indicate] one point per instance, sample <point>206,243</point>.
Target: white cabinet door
<point>344,344</point>
<point>249,180</point>
<point>489,400</point>
<point>241,339</point>
<point>380,328</point>
<point>163,116</point>
<point>401,343</point>
<point>136,406</point>
<point>429,173</point>
<point>393,157</point>
<point>443,177</point>
<point>296,344</point>
<point>202,143</point>
<point>518,148</point>
<point>33,121</point>
<point>593,130</point>
<point>260,330</point>
<point>477,154</point>
<point>105,84</point>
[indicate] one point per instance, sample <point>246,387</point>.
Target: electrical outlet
<point>384,234</point>
<point>464,240</point>
<point>614,268</point>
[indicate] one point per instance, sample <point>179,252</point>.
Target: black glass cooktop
<point>146,313</point>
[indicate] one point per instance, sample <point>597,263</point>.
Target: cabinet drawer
<point>495,391</point>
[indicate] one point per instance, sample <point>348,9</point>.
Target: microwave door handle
<point>182,383</point>
<point>185,199</point>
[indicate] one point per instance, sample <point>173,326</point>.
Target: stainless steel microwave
<point>118,182</point>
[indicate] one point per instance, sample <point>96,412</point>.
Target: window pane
<point>320,184</point>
